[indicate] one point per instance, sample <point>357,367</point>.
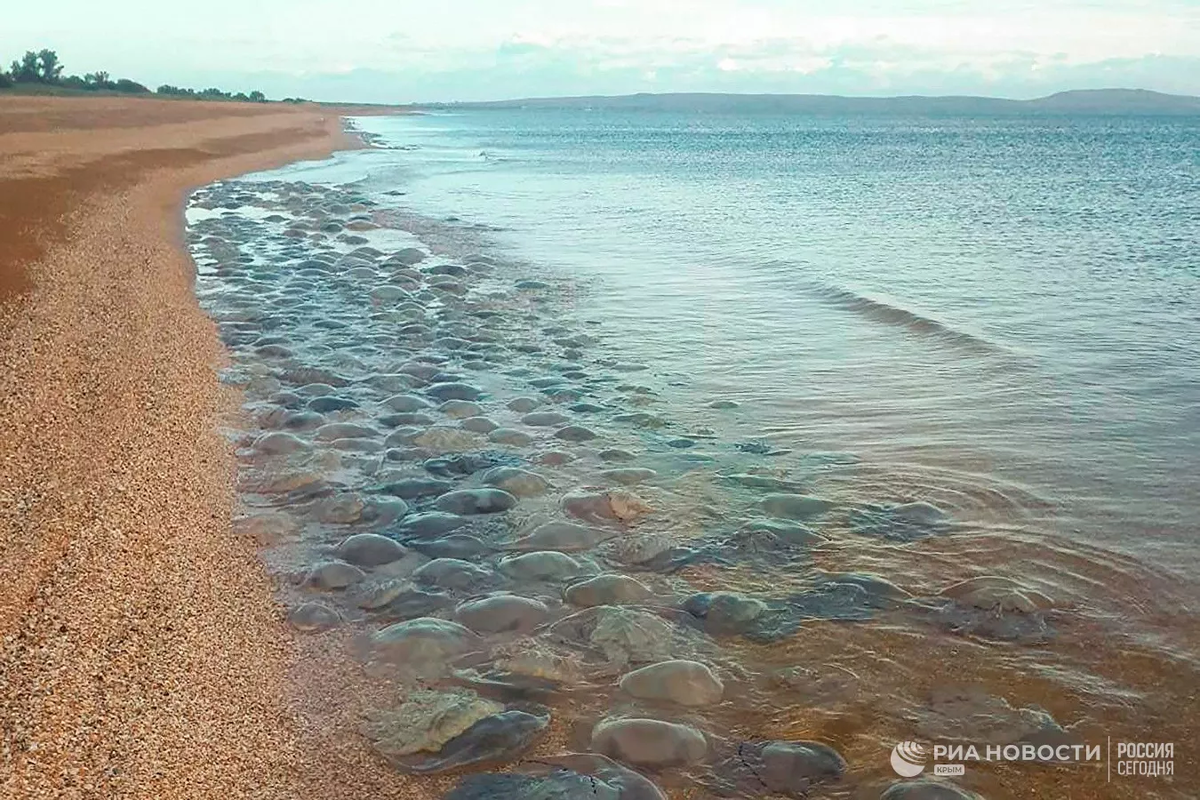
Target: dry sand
<point>142,653</point>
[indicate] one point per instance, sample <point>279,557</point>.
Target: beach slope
<point>141,653</point>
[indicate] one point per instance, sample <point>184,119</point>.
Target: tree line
<point>44,68</point>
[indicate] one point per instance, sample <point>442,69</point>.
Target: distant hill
<point>1095,101</point>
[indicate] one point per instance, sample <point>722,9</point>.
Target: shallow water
<point>937,360</point>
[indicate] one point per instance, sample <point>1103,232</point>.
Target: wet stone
<point>649,742</point>
<point>790,769</point>
<point>688,683</point>
<point>476,501</point>
<point>501,613</point>
<point>615,455</point>
<point>369,550</point>
<point>607,589</point>
<point>517,482</point>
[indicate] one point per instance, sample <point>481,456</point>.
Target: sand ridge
<point>141,652</point>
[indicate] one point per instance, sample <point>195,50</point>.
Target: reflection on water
<point>790,427</point>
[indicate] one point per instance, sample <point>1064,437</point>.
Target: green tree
<point>257,97</point>
<point>97,80</point>
<point>27,69</point>
<point>49,68</point>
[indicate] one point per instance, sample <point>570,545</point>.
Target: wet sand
<point>143,653</point>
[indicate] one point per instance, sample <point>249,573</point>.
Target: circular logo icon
<point>908,759</point>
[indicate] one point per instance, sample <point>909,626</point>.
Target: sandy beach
<point>143,654</point>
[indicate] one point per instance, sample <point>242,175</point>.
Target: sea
<point>977,340</point>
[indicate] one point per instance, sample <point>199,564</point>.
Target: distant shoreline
<point>1089,101</point>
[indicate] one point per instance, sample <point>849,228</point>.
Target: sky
<point>389,51</point>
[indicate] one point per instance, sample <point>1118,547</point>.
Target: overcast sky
<point>402,51</point>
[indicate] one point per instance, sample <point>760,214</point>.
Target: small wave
<point>890,314</point>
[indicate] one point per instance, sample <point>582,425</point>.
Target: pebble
<point>688,683</point>
<point>649,742</point>
<point>616,455</point>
